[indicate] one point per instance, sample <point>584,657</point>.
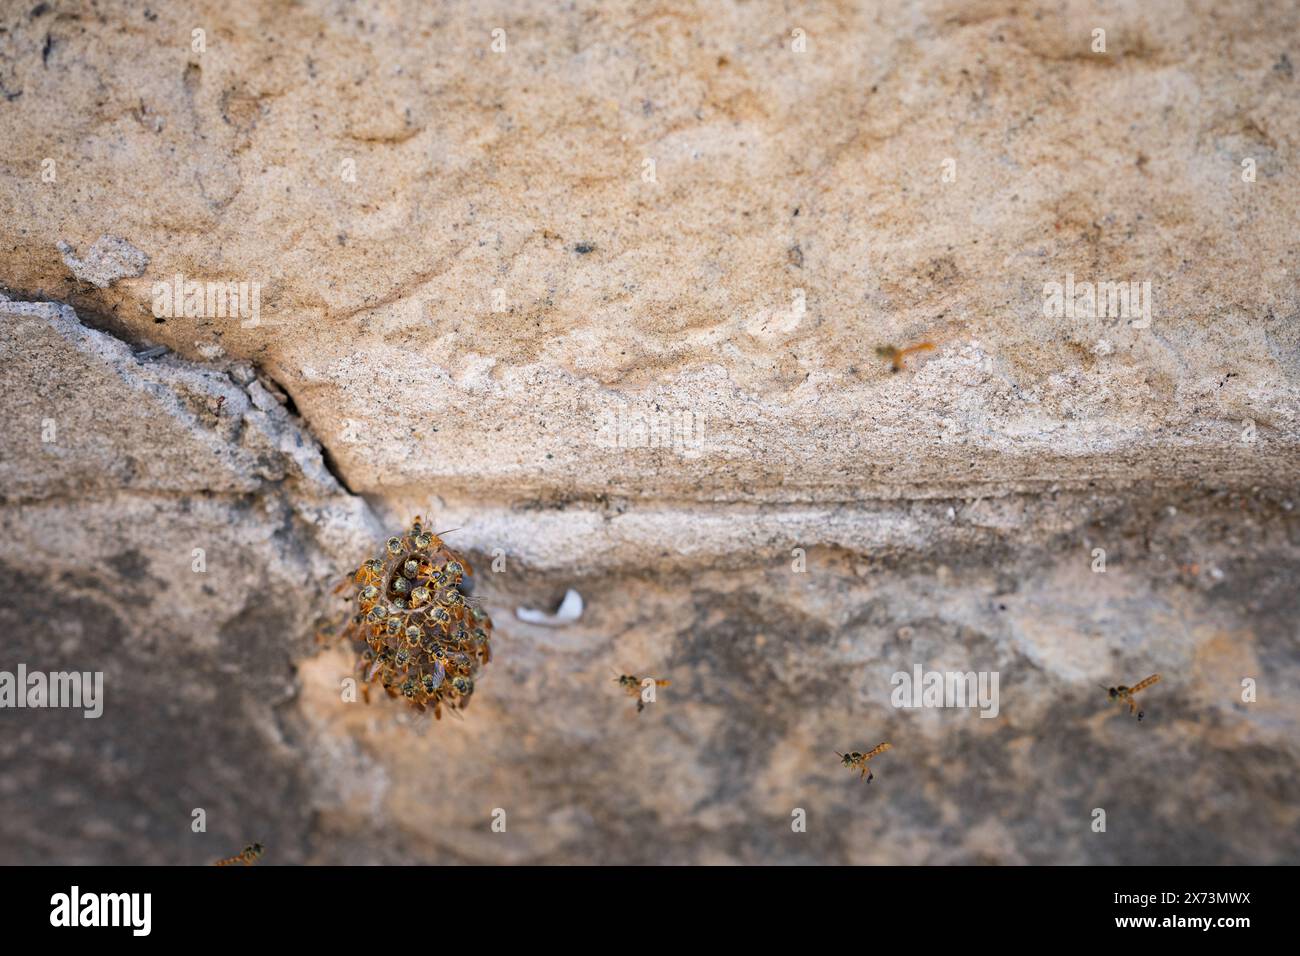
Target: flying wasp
<point>248,856</point>
<point>1123,693</point>
<point>632,685</point>
<point>858,761</point>
<point>896,355</point>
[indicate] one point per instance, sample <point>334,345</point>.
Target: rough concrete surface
<point>603,292</point>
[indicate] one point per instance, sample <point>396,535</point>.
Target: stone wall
<point>604,293</point>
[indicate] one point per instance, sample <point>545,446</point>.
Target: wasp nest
<point>424,638</point>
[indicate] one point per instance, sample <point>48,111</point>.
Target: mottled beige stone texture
<point>605,295</point>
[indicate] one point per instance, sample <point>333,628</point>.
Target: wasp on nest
<point>423,637</point>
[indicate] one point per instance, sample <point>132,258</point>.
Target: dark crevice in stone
<point>92,316</point>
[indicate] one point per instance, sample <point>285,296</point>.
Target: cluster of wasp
<point>423,638</point>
